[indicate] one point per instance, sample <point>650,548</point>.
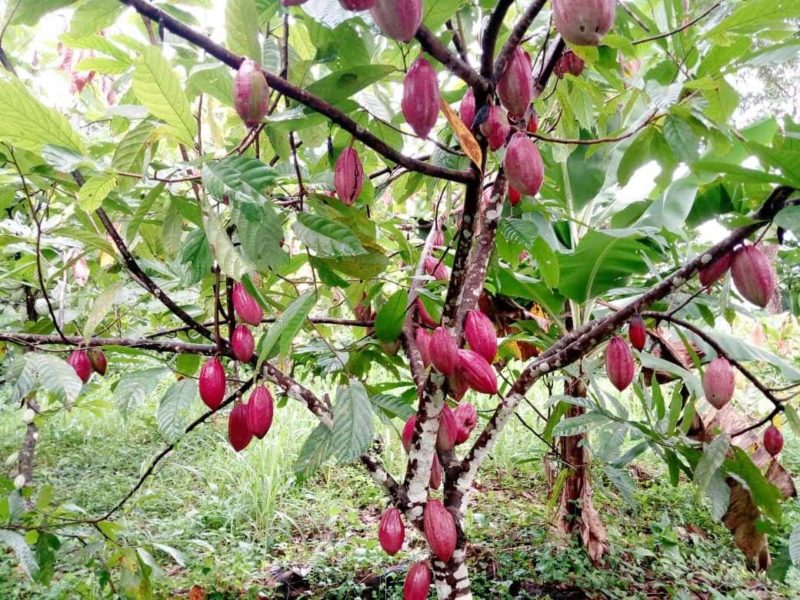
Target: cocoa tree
<point>424,176</point>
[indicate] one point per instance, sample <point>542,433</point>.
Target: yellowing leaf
<point>465,138</point>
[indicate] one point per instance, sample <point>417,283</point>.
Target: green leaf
<point>129,152</point>
<point>20,547</point>
<point>196,255</point>
<point>362,266</point>
<point>547,261</point>
<point>102,305</point>
<point>171,416</point>
<point>393,406</point>
<point>792,418</point>
<point>325,237</point>
<point>30,12</point>
<point>241,27</point>
<point>340,85</point>
<point>765,495</point>
<point>94,15</point>
<point>133,388</point>
<point>55,375</point>
<point>712,459</point>
<point>241,179</point>
<point>46,546</point>
<point>95,190</point>
<point>281,333</point>
<point>719,494</point>
<point>352,422</point>
<point>389,321</point>
<point>315,451</point>
<point>231,262</point>
<point>580,424</point>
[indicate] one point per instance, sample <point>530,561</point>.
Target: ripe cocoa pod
<point>480,334</point>
<point>420,102</point>
<point>523,165</point>
<point>718,382</point>
<point>514,196</point>
<point>436,269</point>
<point>457,386</point>
<point>569,62</point>
<point>435,481</point>
<point>242,343</point>
<point>260,410</point>
<point>466,420</point>
<point>619,363</point>
<point>515,86</point>
<point>476,371</point>
<point>348,176</point>
<point>773,440</point>
<point>424,316</point>
<point>399,19</point>
<point>440,529</point>
<point>248,309</point>
<point>637,332</point>
<point>496,127</point>
<point>357,4</point>
<point>753,275</point>
<point>715,270</point>
<point>583,22</point>
<point>98,360</point>
<point>212,383</point>
<point>250,93</point>
<point>418,582</point>
<point>467,109</point>
<point>408,432</point>
<point>79,361</point>
<point>423,339</point>
<point>391,531</point>
<point>448,430</point>
<point>444,352</point>
<point>238,433</point>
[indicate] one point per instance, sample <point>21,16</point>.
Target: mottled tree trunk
<point>452,578</point>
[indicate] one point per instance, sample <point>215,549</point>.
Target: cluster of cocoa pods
<point>753,273</point>
<point>86,362</point>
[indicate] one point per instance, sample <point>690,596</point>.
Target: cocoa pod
<point>718,382</point>
<point>418,582</point>
<point>391,532</point>
<point>98,360</point>
<point>424,316</point>
<point>480,334</point>
<point>467,108</point>
<point>753,275</point>
<point>399,19</point>
<point>773,440</point>
<point>466,420</point>
<point>448,430</point>
<point>423,339</point>
<point>212,383</point>
<point>715,270</point>
<point>435,481</point>
<point>457,387</point>
<point>260,410</point>
<point>438,238</point>
<point>238,433</point>
<point>420,103</point>
<point>250,93</point>
<point>436,269</point>
<point>80,362</point>
<point>619,363</point>
<point>248,309</point>
<point>348,176</point>
<point>408,432</point>
<point>569,62</point>
<point>523,165</point>
<point>514,196</point>
<point>637,332</point>
<point>583,22</point>
<point>533,122</point>
<point>444,352</point>
<point>242,343</point>
<point>476,371</point>
<point>515,86</point>
<point>440,529</point>
<point>357,4</point>
<point>496,127</point>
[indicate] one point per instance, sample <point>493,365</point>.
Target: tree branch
<point>490,36</point>
<point>431,44</point>
<point>683,27</point>
<point>515,37</point>
<point>32,339</point>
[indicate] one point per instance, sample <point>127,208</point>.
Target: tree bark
<point>451,579</point>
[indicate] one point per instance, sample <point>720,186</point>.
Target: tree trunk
<point>452,579</point>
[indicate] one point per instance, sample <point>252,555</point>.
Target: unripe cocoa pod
<point>523,165</point>
<point>242,343</point>
<point>718,382</point>
<point>440,529</point>
<point>466,419</point>
<point>391,532</point>
<point>637,332</point>
<point>583,22</point>
<point>248,309</point>
<point>569,62</point>
<point>79,361</point>
<point>444,352</point>
<point>480,334</point>
<point>238,433</point>
<point>260,410</point>
<point>423,339</point>
<point>418,582</point>
<point>424,316</point>
<point>476,371</point>
<point>435,481</point>
<point>408,432</point>
<point>753,275</point>
<point>533,122</point>
<point>619,363</point>
<point>448,430</point>
<point>98,360</point>
<point>715,270</point>
<point>773,440</point>
<point>514,196</point>
<point>436,269</point>
<point>357,4</point>
<point>250,93</point>
<point>399,19</point>
<point>348,176</point>
<point>212,383</point>
<point>515,86</point>
<point>457,386</point>
<point>467,109</point>
<point>496,127</point>
<point>420,102</point>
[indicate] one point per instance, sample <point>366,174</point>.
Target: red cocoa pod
<point>514,196</point>
<point>238,433</point>
<point>391,531</point>
<point>440,529</point>
<point>718,382</point>
<point>448,429</point>
<point>248,309</point>
<point>637,332</point>
<point>619,363</point>
<point>496,127</point>
<point>753,275</point>
<point>250,93</point>
<point>420,102</point>
<point>98,360</point>
<point>444,351</point>
<point>408,432</point>
<point>515,86</point>
<point>418,582</point>
<point>79,361</point>
<point>466,419</point>
<point>523,165</point>
<point>476,371</point>
<point>424,316</point>
<point>348,176</point>
<point>435,481</point>
<point>569,62</point>
<point>533,122</point>
<point>399,19</point>
<point>583,22</point>
<point>714,271</point>
<point>457,387</point>
<point>467,109</point>
<point>357,4</point>
<point>260,410</point>
<point>773,440</point>
<point>242,343</point>
<point>436,269</point>
<point>480,334</point>
<point>423,339</point>
<point>212,383</point>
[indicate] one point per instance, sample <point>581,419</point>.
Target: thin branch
<point>34,339</point>
<point>604,140</point>
<point>431,44</point>
<point>683,27</point>
<point>515,37</point>
<point>490,36</point>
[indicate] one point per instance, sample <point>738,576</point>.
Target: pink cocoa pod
<point>533,122</point>
<point>514,196</point>
<point>424,316</point>
<point>457,386</point>
<point>583,22</point>
<point>357,4</point>
<point>435,481</point>
<point>418,582</point>
<point>515,87</point>
<point>391,532</point>
<point>753,275</point>
<point>438,238</point>
<point>619,363</point>
<point>523,165</point>
<point>444,352</point>
<point>480,334</point>
<point>212,383</point>
<point>773,440</point>
<point>496,127</point>
<point>718,382</point>
<point>80,362</point>
<point>250,93</point>
<point>420,102</point>
<point>466,419</point>
<point>714,271</point>
<point>260,410</point>
<point>423,339</point>
<point>569,63</point>
<point>399,19</point>
<point>238,433</point>
<point>348,176</point>
<point>467,109</point>
<point>408,432</point>
<point>637,332</point>
<point>242,343</point>
<point>248,309</point>
<point>448,430</point>
<point>476,371</point>
<point>436,269</point>
<point>440,529</point>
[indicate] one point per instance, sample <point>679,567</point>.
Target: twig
<point>683,27</point>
